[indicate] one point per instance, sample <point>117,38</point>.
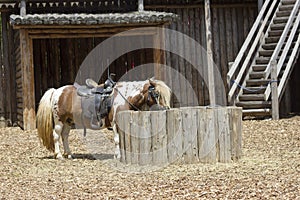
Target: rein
<point>133,106</point>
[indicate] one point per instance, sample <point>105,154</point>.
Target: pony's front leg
<point>56,135</point>
<point>65,140</point>
<point>117,141</point>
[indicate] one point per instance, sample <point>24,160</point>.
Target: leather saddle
<point>96,100</point>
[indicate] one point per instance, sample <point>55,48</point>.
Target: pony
<point>94,106</point>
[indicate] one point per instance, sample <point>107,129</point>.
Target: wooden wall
<point>230,26</point>
<point>8,105</point>
<point>56,61</point>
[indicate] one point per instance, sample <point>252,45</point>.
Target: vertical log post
<point>141,5</point>
<point>159,54</point>
<point>260,4</point>
<point>6,66</point>
<point>27,81</point>
<point>209,49</point>
<point>2,86</point>
<point>23,8</point>
<point>274,90</point>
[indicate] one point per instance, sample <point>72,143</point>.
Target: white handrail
<point>238,59</point>
<point>244,47</point>
<point>280,44</point>
<point>289,64</point>
<point>282,37</point>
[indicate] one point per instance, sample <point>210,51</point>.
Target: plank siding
<point>56,61</point>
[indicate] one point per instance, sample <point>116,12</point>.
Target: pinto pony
<point>94,107</point>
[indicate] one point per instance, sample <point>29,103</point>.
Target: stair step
<point>269,46</point>
<point>276,33</point>
<point>254,90</point>
<point>272,46</point>
<point>287,7</point>
<point>254,104</point>
<point>269,40</point>
<point>252,97</point>
<point>268,53</point>
<point>257,82</point>
<point>262,60</point>
<point>276,27</point>
<point>257,112</point>
<point>257,75</point>
<point>280,20</point>
<point>283,13</point>
<point>256,68</point>
<point>286,2</point>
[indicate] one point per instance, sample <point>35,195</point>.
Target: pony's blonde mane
<point>44,120</point>
<point>164,91</point>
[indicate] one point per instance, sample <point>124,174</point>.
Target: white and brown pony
<point>94,107</point>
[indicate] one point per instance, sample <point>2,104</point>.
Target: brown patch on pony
<point>65,104</point>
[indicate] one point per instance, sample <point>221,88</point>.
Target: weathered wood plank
<point>174,132</point>
<point>235,124</point>
<point>145,154</point>
<point>127,135</point>
<point>134,137</point>
<point>28,81</point>
<point>224,136</point>
<point>189,134</point>
<point>185,135</point>
<point>208,151</point>
<point>159,138</point>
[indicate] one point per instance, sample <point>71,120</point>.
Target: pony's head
<point>159,95</point>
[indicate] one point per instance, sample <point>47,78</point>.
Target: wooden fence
<point>185,135</point>
<point>56,61</point>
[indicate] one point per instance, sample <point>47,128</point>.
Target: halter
<point>153,94</point>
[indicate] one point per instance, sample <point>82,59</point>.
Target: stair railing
<point>290,64</point>
<point>290,24</point>
<point>240,67</point>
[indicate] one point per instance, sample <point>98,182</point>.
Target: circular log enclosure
<point>181,135</point>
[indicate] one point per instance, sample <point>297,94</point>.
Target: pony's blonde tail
<point>44,120</point>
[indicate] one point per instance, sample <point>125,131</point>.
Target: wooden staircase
<point>273,42</point>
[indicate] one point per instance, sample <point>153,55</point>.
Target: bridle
<point>153,94</point>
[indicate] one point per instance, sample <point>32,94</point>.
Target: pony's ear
<point>91,83</point>
<point>152,82</point>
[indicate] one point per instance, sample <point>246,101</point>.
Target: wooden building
<point>58,50</point>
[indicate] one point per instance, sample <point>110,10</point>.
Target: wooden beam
<point>158,54</point>
<point>274,88</point>
<point>175,6</point>
<point>260,4</point>
<point>23,8</point>
<point>209,49</point>
<point>141,5</point>
<point>27,81</point>
<point>96,26</point>
<point>6,66</point>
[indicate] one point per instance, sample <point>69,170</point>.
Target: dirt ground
<point>269,169</point>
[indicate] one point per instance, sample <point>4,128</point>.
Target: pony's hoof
<point>59,157</point>
<point>117,156</point>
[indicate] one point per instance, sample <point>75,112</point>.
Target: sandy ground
<point>269,169</point>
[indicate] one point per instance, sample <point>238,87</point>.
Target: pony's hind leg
<point>56,135</point>
<point>117,141</point>
<point>65,140</point>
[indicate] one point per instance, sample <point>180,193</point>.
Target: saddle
<point>96,100</point>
